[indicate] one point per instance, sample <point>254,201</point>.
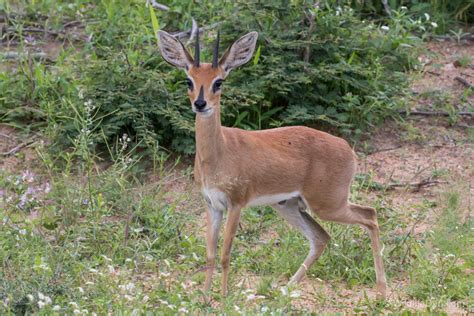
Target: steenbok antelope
<point>293,169</point>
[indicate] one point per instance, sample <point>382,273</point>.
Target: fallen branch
<point>183,34</point>
<point>434,113</point>
<point>307,49</point>
<point>464,82</point>
<point>386,7</point>
<point>157,5</point>
<point>383,150</point>
<point>416,185</point>
<point>16,55</point>
<point>17,148</point>
<point>35,30</point>
<point>194,30</point>
<point>434,73</point>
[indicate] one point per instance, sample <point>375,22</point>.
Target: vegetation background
<point>102,218</point>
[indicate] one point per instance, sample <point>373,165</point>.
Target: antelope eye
<point>217,85</point>
<point>189,83</point>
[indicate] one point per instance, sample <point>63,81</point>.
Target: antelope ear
<point>239,52</point>
<point>173,51</point>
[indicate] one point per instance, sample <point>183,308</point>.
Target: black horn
<point>215,56</point>
<point>197,52</point>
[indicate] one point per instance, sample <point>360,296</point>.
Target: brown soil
<point>417,149</point>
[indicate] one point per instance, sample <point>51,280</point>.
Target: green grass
<point>91,226</point>
<point>100,240</point>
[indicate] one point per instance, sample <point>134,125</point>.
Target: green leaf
<point>154,21</point>
<point>257,55</point>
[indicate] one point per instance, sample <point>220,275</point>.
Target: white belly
<point>272,199</point>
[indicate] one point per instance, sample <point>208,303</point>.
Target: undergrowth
<point>316,65</point>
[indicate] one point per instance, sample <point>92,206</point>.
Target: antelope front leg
<point>214,220</point>
<point>231,226</point>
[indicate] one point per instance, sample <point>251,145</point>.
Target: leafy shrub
<point>315,66</point>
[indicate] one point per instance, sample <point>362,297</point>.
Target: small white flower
<point>106,258</point>
<point>237,309</point>
<point>40,295</point>
<point>93,270</point>
<point>48,300</point>
<point>295,294</point>
<point>250,297</point>
<point>56,308</point>
<point>427,16</point>
<point>41,304</point>
<point>76,312</point>
<point>183,310</point>
<point>130,287</point>
<point>81,290</point>
<point>30,298</point>
<point>128,260</point>
<point>403,7</point>
<point>284,290</point>
<point>264,309</point>
<point>145,299</point>
<point>385,28</point>
<point>22,231</point>
<point>434,24</point>
<point>74,305</point>
<point>111,268</point>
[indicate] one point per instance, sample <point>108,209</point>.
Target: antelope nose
<point>200,104</point>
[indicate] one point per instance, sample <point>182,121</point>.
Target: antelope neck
<point>209,139</point>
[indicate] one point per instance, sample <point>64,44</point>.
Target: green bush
<point>316,66</point>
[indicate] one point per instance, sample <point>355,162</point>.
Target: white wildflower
<point>74,305</point>
<point>145,299</point>
<point>93,270</point>
<point>48,300</point>
<point>41,304</point>
<point>295,294</point>
<point>76,312</point>
<point>384,28</point>
<point>56,308</point>
<point>434,24</point>
<point>130,287</point>
<point>81,290</point>
<point>403,7</point>
<point>30,298</point>
<point>41,295</point>
<point>237,309</point>
<point>427,16</point>
<point>106,258</point>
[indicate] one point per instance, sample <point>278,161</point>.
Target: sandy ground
<point>430,149</point>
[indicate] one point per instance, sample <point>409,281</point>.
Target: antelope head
<point>205,80</point>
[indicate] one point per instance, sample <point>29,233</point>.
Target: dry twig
<point>415,185</point>
<point>464,82</point>
<point>433,113</point>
